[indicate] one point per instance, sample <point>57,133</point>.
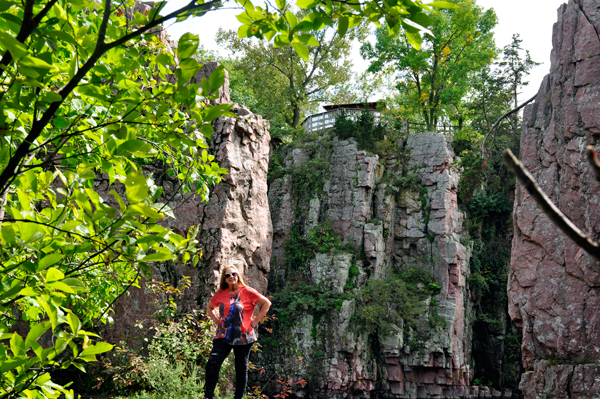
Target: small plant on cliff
<point>323,239</point>
<point>299,250</point>
<point>303,298</point>
<point>370,135</point>
<point>398,299</point>
<point>309,178</point>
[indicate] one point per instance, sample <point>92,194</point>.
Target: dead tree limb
<point>548,207</point>
<point>509,113</point>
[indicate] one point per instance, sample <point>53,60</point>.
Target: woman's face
<point>231,280</point>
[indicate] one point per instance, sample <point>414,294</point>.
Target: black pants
<point>218,354</point>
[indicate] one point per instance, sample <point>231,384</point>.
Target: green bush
<point>323,239</point>
<point>177,345</point>
<point>303,298</point>
<point>308,179</point>
<point>299,250</point>
<point>370,136</point>
<point>395,300</point>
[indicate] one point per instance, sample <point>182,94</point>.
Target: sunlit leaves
<point>187,45</point>
<point>80,222</point>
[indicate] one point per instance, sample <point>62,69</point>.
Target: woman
<point>236,328</point>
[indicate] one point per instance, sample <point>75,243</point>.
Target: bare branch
<point>509,113</point>
<point>546,205</point>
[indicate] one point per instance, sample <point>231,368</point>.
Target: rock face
<point>386,225</point>
<point>235,223</point>
<point>554,286</point>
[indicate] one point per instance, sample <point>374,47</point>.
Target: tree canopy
<point>433,82</point>
<point>284,85</point>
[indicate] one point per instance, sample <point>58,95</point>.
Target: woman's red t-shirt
<point>235,315</point>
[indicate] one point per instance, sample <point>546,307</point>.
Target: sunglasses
<point>227,275</point>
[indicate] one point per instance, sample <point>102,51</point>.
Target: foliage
<point>515,66</point>
<point>178,342</point>
<point>485,193</point>
<point>434,82</point>
<point>323,238</point>
<point>305,298</point>
<point>86,91</point>
<point>398,299</point>
<point>370,135</point>
<point>75,103</point>
<point>309,178</point>
<point>281,85</point>
<point>299,250</point>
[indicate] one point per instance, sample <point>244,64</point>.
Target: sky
<point>531,19</point>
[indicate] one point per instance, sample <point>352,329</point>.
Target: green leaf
<point>309,40</point>
<point>75,284</point>
<point>13,363</point>
<point>8,234</point>
<point>305,3</point>
<point>187,46</point>
<point>122,205</point>
<point>136,187</point>
<point>217,78</point>
<point>50,97</point>
<point>280,4</point>
<point>244,31</point>
<point>100,347</point>
<point>33,62</point>
<point>29,291</point>
<point>343,25</point>
<point>54,274</point>
<point>146,211</point>
<point>442,4</point>
<point>62,35</point>
<point>145,270</point>
<point>188,67</point>
<point>158,256</point>
<point>165,59</point>
<point>414,39</point>
<point>59,285</point>
<point>50,260</point>
<point>74,323</point>
<point>16,48</point>
<point>417,26</point>
<point>35,332</point>
<point>281,40</point>
<point>60,122</point>
<point>301,49</point>
<point>17,346</point>
<point>422,19</point>
<point>291,18</point>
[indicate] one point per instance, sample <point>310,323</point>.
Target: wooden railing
<point>325,120</point>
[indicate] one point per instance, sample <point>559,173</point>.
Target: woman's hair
<point>223,283</point>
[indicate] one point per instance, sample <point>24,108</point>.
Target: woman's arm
<point>210,311</point>
<point>264,304</point>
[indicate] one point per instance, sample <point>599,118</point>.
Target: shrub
<point>178,344</point>
<point>308,179</point>
<point>303,298</point>
<point>369,136</point>
<point>299,250</point>
<point>396,300</point>
<point>323,239</point>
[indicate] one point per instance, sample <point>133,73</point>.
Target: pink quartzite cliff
<point>554,286</point>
